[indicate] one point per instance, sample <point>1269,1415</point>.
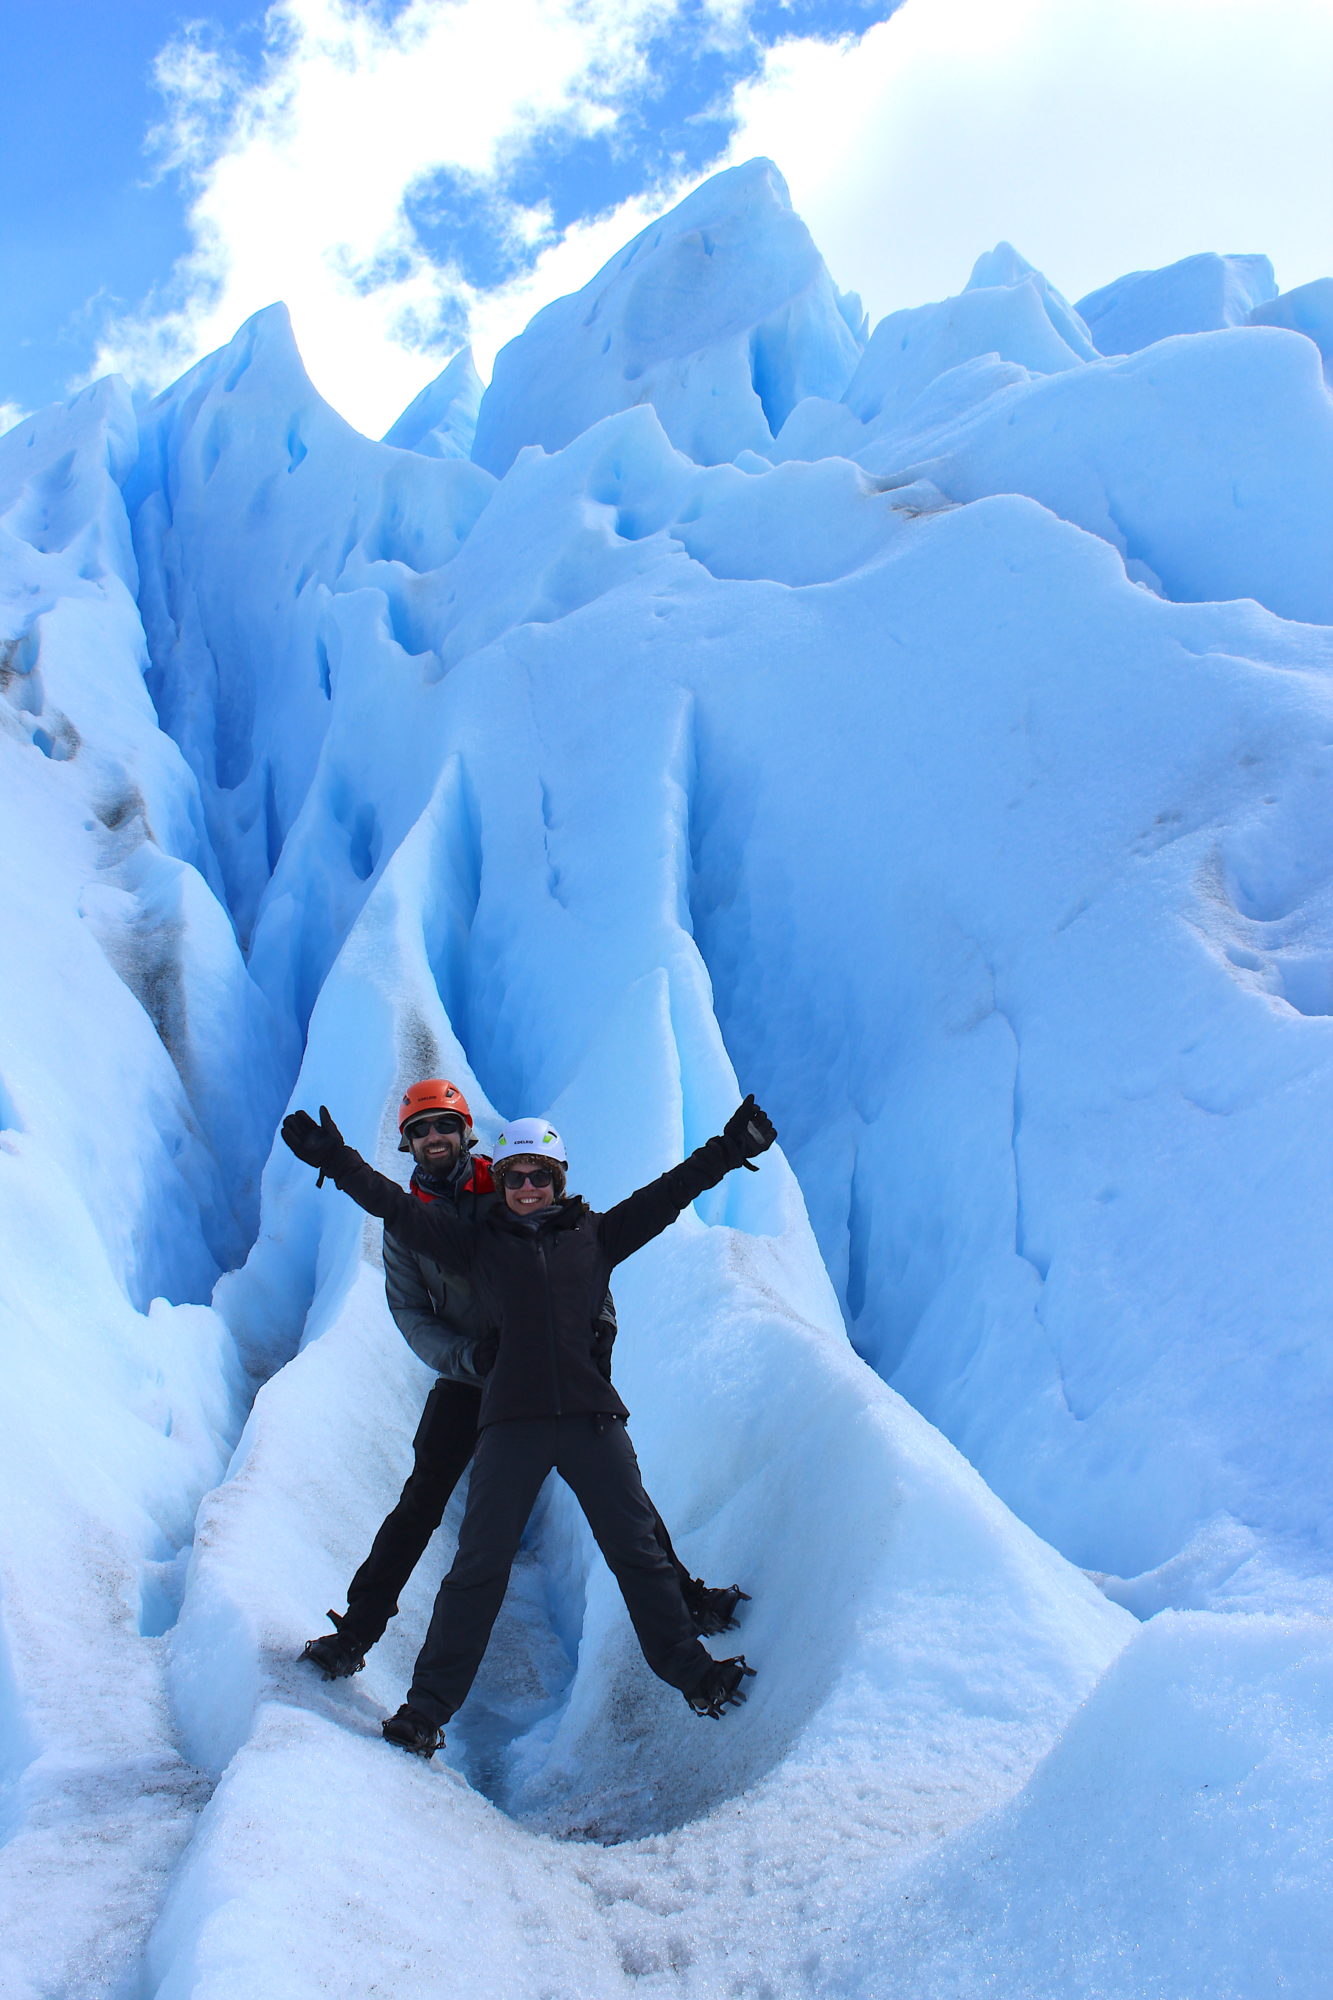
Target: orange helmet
<point>435,1094</point>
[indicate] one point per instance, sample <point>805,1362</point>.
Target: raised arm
<point>649,1210</point>
<point>431,1227</point>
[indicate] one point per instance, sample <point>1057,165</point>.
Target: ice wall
<point>929,733</point>
<point>129,1169</point>
<point>282,554</point>
<point>1005,887</point>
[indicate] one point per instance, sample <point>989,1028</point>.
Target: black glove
<point>318,1145</point>
<point>484,1352</point>
<point>750,1131</point>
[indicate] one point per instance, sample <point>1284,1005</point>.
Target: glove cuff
<point>341,1165</point>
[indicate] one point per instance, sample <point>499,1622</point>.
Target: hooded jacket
<point>540,1288</point>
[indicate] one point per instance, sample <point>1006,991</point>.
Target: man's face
<point>522,1178</point>
<point>436,1141</point>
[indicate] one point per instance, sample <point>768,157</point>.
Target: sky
<point>409,175</point>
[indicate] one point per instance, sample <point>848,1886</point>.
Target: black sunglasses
<point>534,1176</point>
<point>421,1128</point>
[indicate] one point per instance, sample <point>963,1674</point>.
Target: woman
<point>540,1264</point>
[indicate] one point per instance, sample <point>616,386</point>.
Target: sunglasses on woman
<point>538,1177</point>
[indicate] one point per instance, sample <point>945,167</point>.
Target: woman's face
<point>529,1184</point>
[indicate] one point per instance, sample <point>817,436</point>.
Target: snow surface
<point>928,732</point>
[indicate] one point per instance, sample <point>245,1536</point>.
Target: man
<point>539,1264</point>
<point>445,1327</point>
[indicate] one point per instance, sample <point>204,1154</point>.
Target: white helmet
<point>530,1136</point>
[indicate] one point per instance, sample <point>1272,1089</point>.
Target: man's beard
<point>441,1182</point>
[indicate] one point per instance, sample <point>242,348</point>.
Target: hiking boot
<point>337,1654</point>
<point>719,1688</point>
<point>413,1731</point>
<point>713,1608</point>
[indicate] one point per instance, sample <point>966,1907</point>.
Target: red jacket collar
<point>479,1181</point>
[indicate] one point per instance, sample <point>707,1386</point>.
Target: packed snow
<point>926,728</point>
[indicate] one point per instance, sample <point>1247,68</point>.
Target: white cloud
<point>301,177</point>
<point>1099,136</point>
<point>11,414</point>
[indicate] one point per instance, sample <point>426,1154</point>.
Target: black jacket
<point>440,1319</point>
<point>541,1288</point>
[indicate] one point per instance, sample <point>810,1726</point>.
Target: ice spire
<point>722,315</point>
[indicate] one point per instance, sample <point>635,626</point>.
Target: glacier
<point>927,728</point>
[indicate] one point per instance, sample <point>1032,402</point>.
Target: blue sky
<point>408,174</point>
<point>83,225</point>
<point>96,217</point>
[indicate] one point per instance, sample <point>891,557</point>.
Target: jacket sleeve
<point>432,1227</point>
<point>417,1316</point>
<point>647,1212</point>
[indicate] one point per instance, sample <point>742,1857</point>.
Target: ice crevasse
<point>927,728</point>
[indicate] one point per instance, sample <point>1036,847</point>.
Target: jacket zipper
<point>550,1328</point>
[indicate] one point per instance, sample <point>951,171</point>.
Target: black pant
<point>445,1441</point>
<point>594,1456</point>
